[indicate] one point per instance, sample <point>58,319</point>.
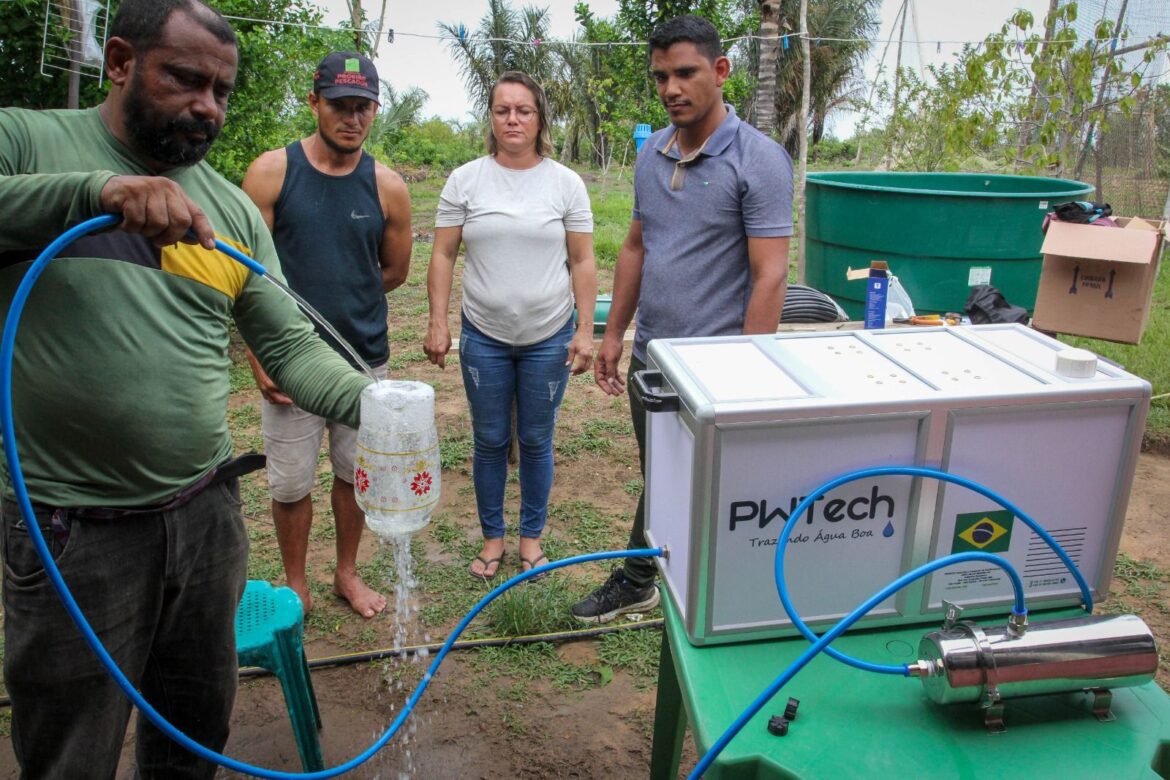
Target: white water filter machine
<point>759,421</point>
<point>397,477</point>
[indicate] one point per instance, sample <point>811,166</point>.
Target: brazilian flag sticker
<point>983,532</point>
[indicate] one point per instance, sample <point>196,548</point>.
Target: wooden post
<point>802,128</point>
<point>71,14</point>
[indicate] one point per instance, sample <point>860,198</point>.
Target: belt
<point>224,472</point>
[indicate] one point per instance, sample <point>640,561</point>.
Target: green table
<point>859,724</point>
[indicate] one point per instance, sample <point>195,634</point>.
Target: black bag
<point>987,304</point>
<point>1081,211</point>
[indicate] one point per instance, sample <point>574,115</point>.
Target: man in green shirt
<point>120,385</point>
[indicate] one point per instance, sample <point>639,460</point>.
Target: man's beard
<point>164,139</point>
<point>338,147</point>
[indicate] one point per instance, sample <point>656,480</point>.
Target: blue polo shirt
<point>696,218</point>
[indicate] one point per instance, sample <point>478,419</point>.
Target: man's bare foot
<point>364,600</point>
<point>302,591</point>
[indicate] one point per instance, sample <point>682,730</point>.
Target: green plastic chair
<point>269,623</point>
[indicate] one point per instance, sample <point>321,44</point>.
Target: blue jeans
<point>496,375</point>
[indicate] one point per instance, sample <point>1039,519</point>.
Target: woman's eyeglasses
<point>523,113</point>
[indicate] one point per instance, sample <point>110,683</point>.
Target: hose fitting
<point>1017,624</point>
<point>921,669</point>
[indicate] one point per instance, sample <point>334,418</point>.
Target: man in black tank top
<point>341,224</point>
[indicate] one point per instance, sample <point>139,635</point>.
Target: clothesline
<point>467,36</point>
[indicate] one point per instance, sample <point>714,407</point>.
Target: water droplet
<point>888,531</point>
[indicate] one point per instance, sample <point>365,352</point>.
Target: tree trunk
<point>381,29</point>
<point>873,86</point>
<point>355,21</point>
<point>1090,140</point>
<point>890,151</point>
<point>72,11</point>
<point>1034,113</point>
<point>765,99</point>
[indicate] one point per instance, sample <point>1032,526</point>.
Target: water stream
<point>405,607</point>
<point>316,317</point>
<point>401,679</point>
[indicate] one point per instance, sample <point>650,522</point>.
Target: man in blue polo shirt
<point>707,249</point>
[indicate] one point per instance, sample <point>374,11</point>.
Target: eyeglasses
<point>523,113</point>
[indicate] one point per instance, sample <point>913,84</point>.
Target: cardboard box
<point>1098,281</point>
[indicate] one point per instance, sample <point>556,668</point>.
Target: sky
<point>417,58</point>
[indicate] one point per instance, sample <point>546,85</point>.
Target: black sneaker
<point>616,597</point>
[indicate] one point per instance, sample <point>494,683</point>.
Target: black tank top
<point>328,232</point>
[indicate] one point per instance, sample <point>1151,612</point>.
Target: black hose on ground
<point>466,644</point>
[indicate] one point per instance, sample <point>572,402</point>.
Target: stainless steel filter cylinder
<point>965,663</point>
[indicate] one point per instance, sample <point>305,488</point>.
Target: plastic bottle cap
<point>1076,363</point>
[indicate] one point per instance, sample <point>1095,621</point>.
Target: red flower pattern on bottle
<point>421,484</point>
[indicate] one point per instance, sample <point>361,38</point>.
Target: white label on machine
<point>978,275</point>
<point>1033,457</point>
<point>847,546</point>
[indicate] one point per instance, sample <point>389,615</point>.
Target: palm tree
<point>845,26</point>
<point>398,109</point>
<point>504,40</point>
<point>765,99</point>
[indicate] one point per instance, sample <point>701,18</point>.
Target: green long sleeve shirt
<point>120,376</point>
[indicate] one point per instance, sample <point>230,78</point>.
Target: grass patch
<point>405,336</point>
<point>455,450</point>
<point>446,533</point>
<point>532,609</point>
<point>240,376</point>
<point>400,360</point>
<point>1148,359</point>
<point>244,423</point>
<point>587,529</point>
<point>1138,587</point>
<point>636,651</point>
<point>446,592</point>
<point>596,437</point>
<point>537,661</point>
<point>612,207</point>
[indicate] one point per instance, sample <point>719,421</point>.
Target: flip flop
<point>487,564</point>
<point>532,564</point>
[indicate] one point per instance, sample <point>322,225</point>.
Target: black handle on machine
<point>650,386</point>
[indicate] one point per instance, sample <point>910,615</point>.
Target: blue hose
<point>802,507</point>
<point>822,643</point>
<point>7,346</point>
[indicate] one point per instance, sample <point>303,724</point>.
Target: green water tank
<point>941,233</point>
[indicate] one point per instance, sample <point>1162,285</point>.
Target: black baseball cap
<point>346,74</point>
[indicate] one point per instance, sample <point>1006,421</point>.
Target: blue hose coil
<point>7,348</point>
<point>822,643</point>
<point>917,471</point>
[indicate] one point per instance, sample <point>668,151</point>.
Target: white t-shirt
<point>516,285</point>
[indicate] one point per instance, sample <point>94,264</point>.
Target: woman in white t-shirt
<point>527,230</point>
